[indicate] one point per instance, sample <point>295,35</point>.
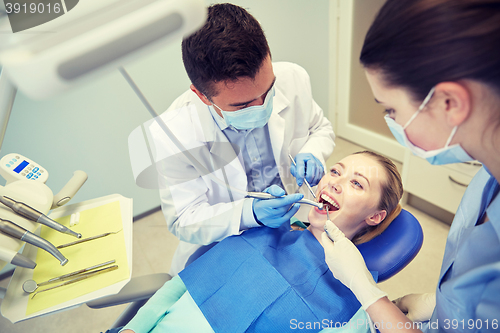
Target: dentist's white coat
<point>199,211</point>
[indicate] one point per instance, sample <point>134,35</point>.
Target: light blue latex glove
<point>274,212</point>
<point>308,167</point>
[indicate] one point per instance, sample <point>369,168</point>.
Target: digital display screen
<point>21,166</point>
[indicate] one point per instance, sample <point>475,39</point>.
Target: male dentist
<point>241,118</point>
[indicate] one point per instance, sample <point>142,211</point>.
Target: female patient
<point>273,280</point>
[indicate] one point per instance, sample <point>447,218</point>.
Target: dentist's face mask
<point>250,117</point>
<point>448,154</point>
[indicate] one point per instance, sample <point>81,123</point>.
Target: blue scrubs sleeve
<point>488,309</point>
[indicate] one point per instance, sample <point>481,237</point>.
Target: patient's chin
<point>312,216</point>
<point>316,220</point>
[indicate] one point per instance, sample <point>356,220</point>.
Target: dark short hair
<point>417,44</point>
<point>229,46</point>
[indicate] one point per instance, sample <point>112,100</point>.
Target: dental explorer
<point>305,180</point>
<point>88,239</point>
<point>266,196</point>
<point>328,218</point>
<point>13,230</point>
<point>34,215</point>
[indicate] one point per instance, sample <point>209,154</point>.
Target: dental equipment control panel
<point>17,167</point>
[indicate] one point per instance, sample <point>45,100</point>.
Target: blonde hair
<point>392,191</point>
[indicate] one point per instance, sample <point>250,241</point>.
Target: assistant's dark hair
<point>419,43</point>
<point>230,45</point>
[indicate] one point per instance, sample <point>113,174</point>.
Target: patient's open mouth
<point>330,202</point>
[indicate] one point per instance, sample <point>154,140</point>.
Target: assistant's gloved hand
<point>274,212</point>
<point>418,307</point>
<point>348,266</point>
<point>308,167</point>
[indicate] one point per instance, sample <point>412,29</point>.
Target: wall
<point>364,111</point>
<point>87,128</point>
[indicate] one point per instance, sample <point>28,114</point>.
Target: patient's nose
<point>335,186</point>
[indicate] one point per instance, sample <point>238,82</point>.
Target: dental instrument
<point>79,278</point>
<point>16,258</point>
<point>11,229</point>
<point>30,286</point>
<point>266,196</point>
<point>87,239</point>
<point>305,180</point>
<point>328,218</point>
<point>34,215</point>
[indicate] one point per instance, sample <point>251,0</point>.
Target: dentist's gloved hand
<point>418,307</point>
<point>274,212</point>
<point>348,266</point>
<point>308,167</point>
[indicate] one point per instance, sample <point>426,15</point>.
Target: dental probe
<point>305,180</point>
<point>34,215</point>
<point>13,230</point>
<point>328,218</point>
<point>88,239</point>
<point>266,196</point>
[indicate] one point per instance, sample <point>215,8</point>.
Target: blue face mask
<point>250,117</point>
<point>446,155</point>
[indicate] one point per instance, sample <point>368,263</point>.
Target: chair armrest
<point>138,288</point>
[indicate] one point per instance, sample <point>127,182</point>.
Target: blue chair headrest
<point>392,250</point>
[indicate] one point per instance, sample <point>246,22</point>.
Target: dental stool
<point>386,255</point>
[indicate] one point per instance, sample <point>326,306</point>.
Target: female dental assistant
<point>435,66</point>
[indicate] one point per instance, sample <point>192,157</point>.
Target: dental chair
<point>386,255</point>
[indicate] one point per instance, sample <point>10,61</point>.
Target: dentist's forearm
<point>388,318</point>
<point>196,224</point>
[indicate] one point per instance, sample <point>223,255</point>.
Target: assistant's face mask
<point>446,155</point>
<point>250,117</point>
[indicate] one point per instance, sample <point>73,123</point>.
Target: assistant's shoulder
<point>477,184</point>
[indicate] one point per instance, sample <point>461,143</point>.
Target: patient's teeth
<point>330,201</point>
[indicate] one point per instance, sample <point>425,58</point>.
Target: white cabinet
<point>440,185</point>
